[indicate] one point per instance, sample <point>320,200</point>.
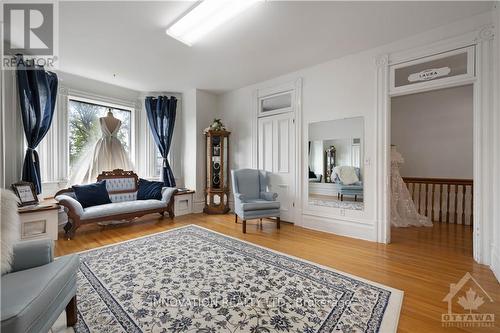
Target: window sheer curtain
<point>37,98</point>
<point>161,112</point>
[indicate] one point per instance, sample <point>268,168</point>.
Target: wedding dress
<point>403,210</point>
<point>106,154</point>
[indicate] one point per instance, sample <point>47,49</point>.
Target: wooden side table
<point>39,221</point>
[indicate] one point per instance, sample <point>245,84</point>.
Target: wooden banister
<point>454,198</point>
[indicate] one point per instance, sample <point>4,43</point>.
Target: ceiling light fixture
<point>205,17</point>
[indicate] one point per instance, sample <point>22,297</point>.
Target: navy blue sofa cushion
<point>92,194</point>
<point>149,190</point>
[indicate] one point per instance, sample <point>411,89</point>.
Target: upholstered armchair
<point>38,288</point>
<point>251,197</point>
<point>354,189</point>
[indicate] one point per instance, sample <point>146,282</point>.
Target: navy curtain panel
<point>37,98</point>
<point>161,112</point>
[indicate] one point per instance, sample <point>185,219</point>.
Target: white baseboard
<point>495,262</point>
<point>340,227</point>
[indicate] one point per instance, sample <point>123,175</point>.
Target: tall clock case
<point>217,185</point>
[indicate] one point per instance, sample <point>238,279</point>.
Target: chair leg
<point>244,226</point>
<point>341,197</point>
<point>355,197</point>
<point>71,312</point>
<point>278,220</point>
<point>235,218</point>
<point>338,195</point>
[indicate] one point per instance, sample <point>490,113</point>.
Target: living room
<point>243,161</point>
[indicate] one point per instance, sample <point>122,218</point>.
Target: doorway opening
<point>433,132</point>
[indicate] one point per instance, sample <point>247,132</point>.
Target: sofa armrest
<point>72,204</point>
<point>167,193</point>
<point>269,196</point>
<point>34,253</point>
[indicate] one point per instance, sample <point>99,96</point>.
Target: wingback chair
<point>251,197</point>
<point>38,288</point>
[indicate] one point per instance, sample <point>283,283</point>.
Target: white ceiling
<point>99,39</point>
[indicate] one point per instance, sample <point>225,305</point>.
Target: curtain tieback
<point>165,162</point>
<point>32,151</point>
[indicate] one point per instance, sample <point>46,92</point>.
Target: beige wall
<point>434,133</point>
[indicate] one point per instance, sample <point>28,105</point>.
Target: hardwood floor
<point>422,262</point>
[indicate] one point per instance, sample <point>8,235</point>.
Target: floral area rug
<point>191,279</point>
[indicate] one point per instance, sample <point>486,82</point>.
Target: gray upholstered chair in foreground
<point>38,289</point>
<point>251,198</point>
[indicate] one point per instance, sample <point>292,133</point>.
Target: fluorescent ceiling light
<point>205,17</point>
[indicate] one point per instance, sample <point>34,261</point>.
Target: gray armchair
<point>251,197</point>
<point>38,289</point>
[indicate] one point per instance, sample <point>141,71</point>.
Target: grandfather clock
<point>217,186</point>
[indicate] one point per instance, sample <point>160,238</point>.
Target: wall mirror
<point>336,163</point>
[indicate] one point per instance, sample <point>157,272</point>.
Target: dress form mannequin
<point>403,210</point>
<point>111,121</point>
<point>106,154</point>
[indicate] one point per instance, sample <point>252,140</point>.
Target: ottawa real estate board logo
<point>30,30</point>
<point>464,301</point>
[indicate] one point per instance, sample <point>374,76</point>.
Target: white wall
<point>199,112</point>
<point>495,257</point>
<point>337,89</point>
<point>206,108</point>
<point>12,130</point>
<point>434,133</point>
<point>337,129</point>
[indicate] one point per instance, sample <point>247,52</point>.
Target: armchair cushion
<point>32,297</point>
<point>68,201</point>
<point>30,254</point>
<point>259,204</point>
<point>270,196</point>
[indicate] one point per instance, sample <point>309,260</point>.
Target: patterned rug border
<point>392,311</point>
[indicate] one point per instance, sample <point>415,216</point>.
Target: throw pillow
<point>9,220</point>
<point>149,190</point>
<point>92,194</point>
<point>347,174</point>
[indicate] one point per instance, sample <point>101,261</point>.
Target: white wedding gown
<point>107,154</point>
<point>403,210</point>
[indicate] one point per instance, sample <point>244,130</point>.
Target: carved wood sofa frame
<point>74,221</point>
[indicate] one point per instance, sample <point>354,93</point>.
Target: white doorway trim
<point>295,87</point>
<point>484,129</point>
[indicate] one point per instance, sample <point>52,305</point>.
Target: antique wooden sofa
<point>122,188</point>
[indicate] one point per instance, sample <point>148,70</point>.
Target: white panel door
<point>276,154</point>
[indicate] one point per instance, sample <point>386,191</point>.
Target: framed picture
<point>26,193</point>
